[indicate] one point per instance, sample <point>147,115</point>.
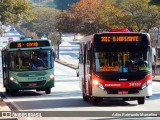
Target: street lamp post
<point>157,42</point>
<point>158,33</point>
<point>58,43</point>
<point>58,50</point>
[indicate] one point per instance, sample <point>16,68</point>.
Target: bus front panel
<point>122,66</point>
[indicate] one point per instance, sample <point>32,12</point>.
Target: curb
<point>66,64</point>
<point>156,79</point>
<point>4,106</point>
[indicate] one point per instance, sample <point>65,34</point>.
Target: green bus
<point>28,65</point>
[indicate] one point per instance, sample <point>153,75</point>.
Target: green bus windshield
<point>30,60</point>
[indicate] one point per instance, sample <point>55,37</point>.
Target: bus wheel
<point>85,98</point>
<point>13,92</point>
<point>141,100</point>
<point>95,100</point>
<point>48,90</point>
<point>38,90</point>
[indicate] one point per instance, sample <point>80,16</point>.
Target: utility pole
<point>158,33</point>
<point>58,50</point>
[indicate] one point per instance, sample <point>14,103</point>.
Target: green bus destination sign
<point>29,44</point>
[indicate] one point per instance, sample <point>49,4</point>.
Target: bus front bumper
<point>98,92</point>
<point>31,85</point>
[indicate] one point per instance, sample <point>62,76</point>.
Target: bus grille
<point>25,84</point>
<point>27,74</point>
<point>115,91</point>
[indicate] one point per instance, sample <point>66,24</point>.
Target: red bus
<point>115,64</point>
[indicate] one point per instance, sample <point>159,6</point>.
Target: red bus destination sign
<point>120,38</point>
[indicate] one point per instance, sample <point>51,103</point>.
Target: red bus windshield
<point>121,52</point>
<point>121,59</point>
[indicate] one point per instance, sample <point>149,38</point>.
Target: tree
<point>137,15</point>
<point>67,22</point>
<point>88,16</point>
<point>14,11</point>
<point>82,17</point>
<point>109,12</point>
<point>44,23</point>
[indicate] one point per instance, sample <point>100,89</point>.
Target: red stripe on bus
<point>124,84</point>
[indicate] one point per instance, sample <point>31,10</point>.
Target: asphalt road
<point>66,96</point>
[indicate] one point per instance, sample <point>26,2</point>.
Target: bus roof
<point>120,31</point>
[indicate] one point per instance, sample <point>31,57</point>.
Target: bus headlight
<point>95,82</point>
<point>13,79</point>
<point>51,76</point>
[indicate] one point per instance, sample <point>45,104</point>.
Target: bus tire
<point>95,100</point>
<point>48,90</point>
<point>38,90</point>
<point>85,98</point>
<point>141,100</point>
<point>13,92</point>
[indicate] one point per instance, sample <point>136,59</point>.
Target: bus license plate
<point>32,84</point>
<point>122,92</point>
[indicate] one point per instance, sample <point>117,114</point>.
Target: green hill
<point>58,4</point>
